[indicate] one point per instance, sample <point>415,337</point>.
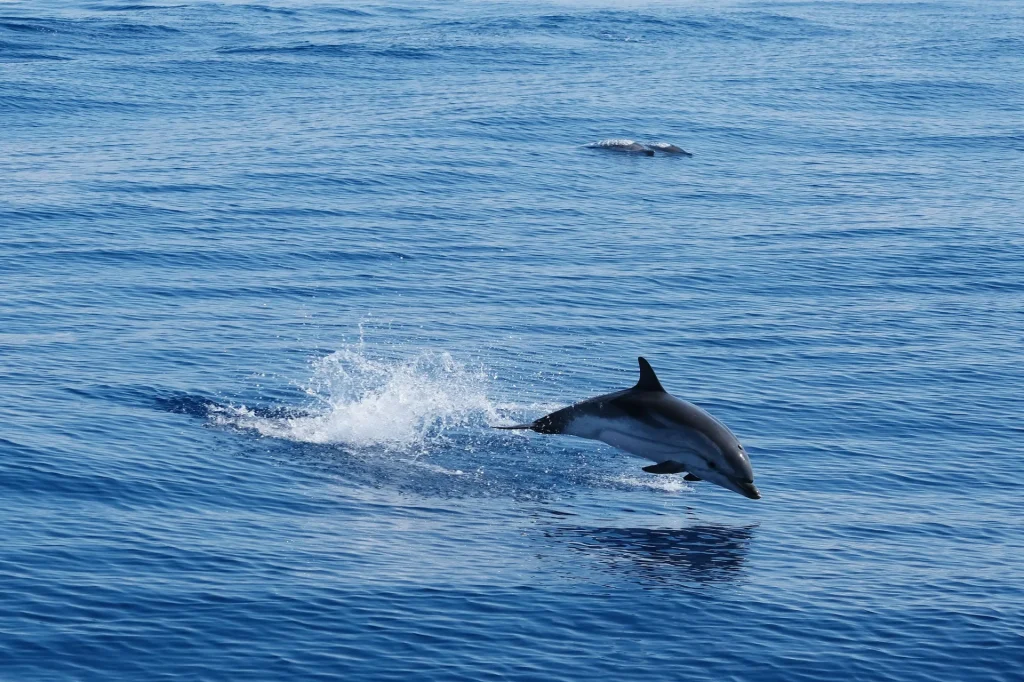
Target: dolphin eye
<point>712,465</point>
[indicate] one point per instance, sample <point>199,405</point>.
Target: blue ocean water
<point>269,273</point>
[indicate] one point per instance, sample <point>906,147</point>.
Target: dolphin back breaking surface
<point>646,421</point>
<point>634,147</point>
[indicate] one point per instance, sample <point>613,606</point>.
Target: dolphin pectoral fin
<point>667,467</point>
<point>691,477</point>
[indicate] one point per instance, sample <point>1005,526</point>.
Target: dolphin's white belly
<point>683,445</point>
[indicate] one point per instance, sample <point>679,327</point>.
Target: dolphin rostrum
<point>648,422</point>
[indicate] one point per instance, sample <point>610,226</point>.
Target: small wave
<point>315,50</point>
<point>138,7</point>
<point>366,402</point>
<point>25,26</point>
<point>33,56</point>
<point>345,11</point>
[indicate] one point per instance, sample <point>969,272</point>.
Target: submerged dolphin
<point>628,146</point>
<point>666,147</point>
<point>648,422</point>
<point>646,148</point>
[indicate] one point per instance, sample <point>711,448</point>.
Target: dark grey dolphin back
<point>557,421</point>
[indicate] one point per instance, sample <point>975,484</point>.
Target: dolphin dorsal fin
<point>648,380</point>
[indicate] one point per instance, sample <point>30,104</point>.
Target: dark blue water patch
<point>122,394</point>
<point>391,181</point>
<point>44,105</point>
<point>667,558</point>
<point>311,49</point>
<point>630,26</point>
<point>128,187</point>
<point>72,474</point>
<point>22,26</point>
<point>497,54</point>
<point>920,93</point>
<point>36,479</point>
<point>178,260</point>
<point>596,24</point>
<point>16,53</point>
<point>487,612</point>
<point>979,143</point>
<point>345,11</point>
<point>174,291</point>
<point>330,179</point>
<point>83,213</point>
<point>795,26</point>
<point>284,215</point>
<point>401,10</point>
<point>1006,46</point>
<point>268,9</point>
<point>135,30</point>
<point>76,34</point>
<point>202,407</point>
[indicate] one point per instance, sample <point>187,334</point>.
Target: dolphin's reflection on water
<point>696,554</point>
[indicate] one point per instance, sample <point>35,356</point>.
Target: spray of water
<point>418,404</point>
<point>665,484</point>
<point>366,402</point>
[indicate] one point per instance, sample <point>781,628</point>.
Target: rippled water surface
<point>270,272</point>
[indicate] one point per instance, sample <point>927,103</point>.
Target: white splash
<point>365,402</point>
<point>667,484</point>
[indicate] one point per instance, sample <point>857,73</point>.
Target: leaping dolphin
<point>648,422</point>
